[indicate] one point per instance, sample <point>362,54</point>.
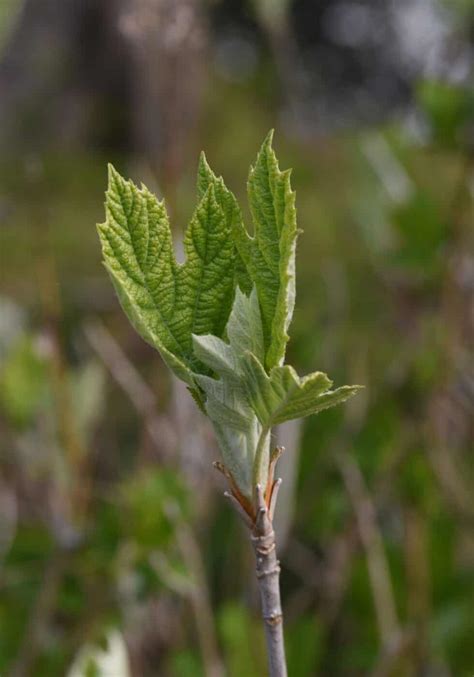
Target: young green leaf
<point>244,328</point>
<point>165,301</point>
<point>217,355</point>
<point>233,215</point>
<point>138,254</point>
<point>266,260</point>
<point>206,279</point>
<point>237,427</point>
<point>283,395</point>
<point>270,256</point>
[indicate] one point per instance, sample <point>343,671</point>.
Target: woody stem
<point>268,577</point>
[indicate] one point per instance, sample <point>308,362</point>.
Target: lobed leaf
<point>266,260</point>
<point>270,256</point>
<point>206,280</point>
<point>233,215</point>
<point>138,254</point>
<point>283,395</point>
<point>167,302</point>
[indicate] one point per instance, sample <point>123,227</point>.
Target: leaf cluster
<point>220,320</point>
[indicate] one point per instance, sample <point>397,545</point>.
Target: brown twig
<point>267,569</point>
<point>268,577</point>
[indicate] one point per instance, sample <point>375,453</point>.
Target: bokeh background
<point>114,536</point>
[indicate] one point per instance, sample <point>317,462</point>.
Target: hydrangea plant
<point>220,322</point>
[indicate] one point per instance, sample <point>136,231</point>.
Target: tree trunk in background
<point>63,69</point>
<point>107,73</point>
<point>167,41</point>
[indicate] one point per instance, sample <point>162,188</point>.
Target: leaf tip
<point>115,180</point>
<point>268,141</point>
<point>112,173</point>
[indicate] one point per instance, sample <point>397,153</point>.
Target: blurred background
<point>117,550</point>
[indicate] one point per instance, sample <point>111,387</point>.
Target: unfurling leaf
<point>244,328</point>
<point>237,427</point>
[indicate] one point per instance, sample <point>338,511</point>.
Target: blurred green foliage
<point>23,388</point>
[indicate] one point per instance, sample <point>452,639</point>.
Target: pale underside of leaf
<point>244,328</point>
<point>237,427</point>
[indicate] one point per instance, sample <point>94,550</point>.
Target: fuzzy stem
<point>260,464</point>
<point>268,577</point>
